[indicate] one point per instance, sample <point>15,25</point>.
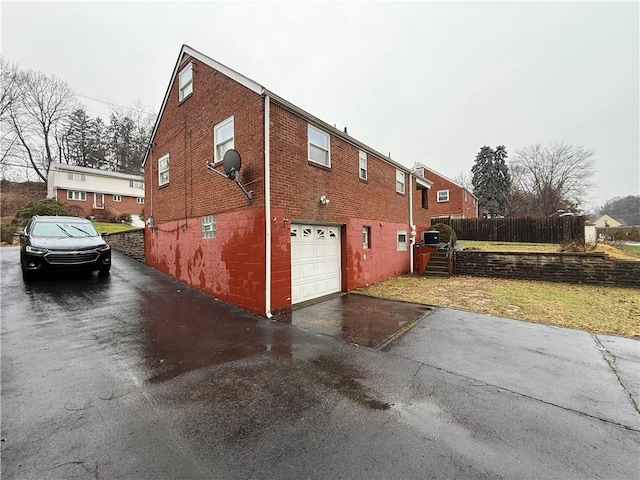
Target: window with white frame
<point>208,226</point>
<point>136,184</point>
<point>443,195</point>
<point>366,237</point>
<point>185,82</point>
<point>74,195</point>
<point>319,150</point>
<point>402,241</point>
<point>163,170</point>
<point>117,198</point>
<point>362,170</point>
<point>400,181</point>
<point>223,138</point>
<point>140,201</point>
<point>77,177</point>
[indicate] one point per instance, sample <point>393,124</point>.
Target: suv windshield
<point>60,229</point>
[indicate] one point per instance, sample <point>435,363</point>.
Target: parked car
<point>56,243</point>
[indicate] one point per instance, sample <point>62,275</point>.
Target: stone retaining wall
<point>130,243</point>
<point>588,268</point>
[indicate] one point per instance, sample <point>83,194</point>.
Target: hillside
<point>15,196</point>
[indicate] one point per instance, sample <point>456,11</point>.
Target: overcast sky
<point>425,81</point>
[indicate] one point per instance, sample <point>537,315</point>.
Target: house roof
<point>420,165</point>
<point>93,171</point>
<point>186,52</point>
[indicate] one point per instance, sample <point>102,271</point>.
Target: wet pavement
<point>138,376</point>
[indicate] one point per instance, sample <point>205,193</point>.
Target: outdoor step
<point>436,274</point>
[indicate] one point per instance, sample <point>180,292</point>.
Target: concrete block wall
<point>588,268</point>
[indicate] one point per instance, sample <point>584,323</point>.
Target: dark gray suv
<point>53,243</point>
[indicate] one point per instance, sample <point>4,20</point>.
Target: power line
<point>146,108</point>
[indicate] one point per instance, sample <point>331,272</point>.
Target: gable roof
<point>420,165</point>
<point>186,52</point>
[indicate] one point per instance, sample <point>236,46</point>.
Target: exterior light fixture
<point>324,200</point>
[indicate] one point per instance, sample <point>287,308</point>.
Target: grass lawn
<point>625,252</point>
<point>608,310</point>
<point>104,227</point>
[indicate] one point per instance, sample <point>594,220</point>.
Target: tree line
<point>42,121</point>
<point>540,181</point>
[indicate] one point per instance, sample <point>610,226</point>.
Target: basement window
<point>208,226</point>
<point>402,241</point>
<point>366,237</point>
<point>443,195</point>
<point>185,82</point>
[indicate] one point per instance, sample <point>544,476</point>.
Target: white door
<point>315,261</point>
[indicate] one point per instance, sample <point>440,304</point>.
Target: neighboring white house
<point>99,193</point>
<point>606,221</point>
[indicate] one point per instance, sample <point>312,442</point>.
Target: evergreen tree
<point>491,180</point>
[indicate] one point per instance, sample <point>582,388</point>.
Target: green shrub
<point>446,233</point>
<point>6,232</point>
<point>634,235</point>
<point>47,206</point>
<point>124,218</point>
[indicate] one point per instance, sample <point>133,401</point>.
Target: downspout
<point>413,227</point>
<point>267,210</point>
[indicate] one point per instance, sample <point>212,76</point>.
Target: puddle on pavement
<point>357,319</point>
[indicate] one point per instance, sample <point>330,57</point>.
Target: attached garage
<point>315,261</point>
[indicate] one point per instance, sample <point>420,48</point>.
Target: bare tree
<point>464,179</point>
<point>546,180</point>
<point>37,119</point>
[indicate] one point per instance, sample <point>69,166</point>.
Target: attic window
<point>185,80</point>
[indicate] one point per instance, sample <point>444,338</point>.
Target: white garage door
<point>315,261</point>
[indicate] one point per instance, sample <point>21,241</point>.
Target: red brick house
<point>327,213</point>
<point>446,197</point>
<point>92,192</point>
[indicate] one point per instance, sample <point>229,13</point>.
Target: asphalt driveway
<point>138,376</point>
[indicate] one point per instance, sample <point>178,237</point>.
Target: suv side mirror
<point>19,233</point>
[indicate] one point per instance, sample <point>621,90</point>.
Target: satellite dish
<point>231,163</point>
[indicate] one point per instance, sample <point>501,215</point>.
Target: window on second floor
<point>77,177</point>
<point>136,184</point>
<point>81,196</point>
<point>163,170</point>
<point>443,195</point>
<point>223,138</point>
<point>185,82</point>
<point>362,169</point>
<point>319,150</point>
<point>400,181</point>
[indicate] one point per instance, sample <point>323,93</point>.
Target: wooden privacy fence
<point>533,230</point>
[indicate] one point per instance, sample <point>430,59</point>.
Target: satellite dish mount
<point>231,162</point>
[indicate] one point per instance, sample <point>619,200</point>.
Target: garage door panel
<point>315,261</point>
